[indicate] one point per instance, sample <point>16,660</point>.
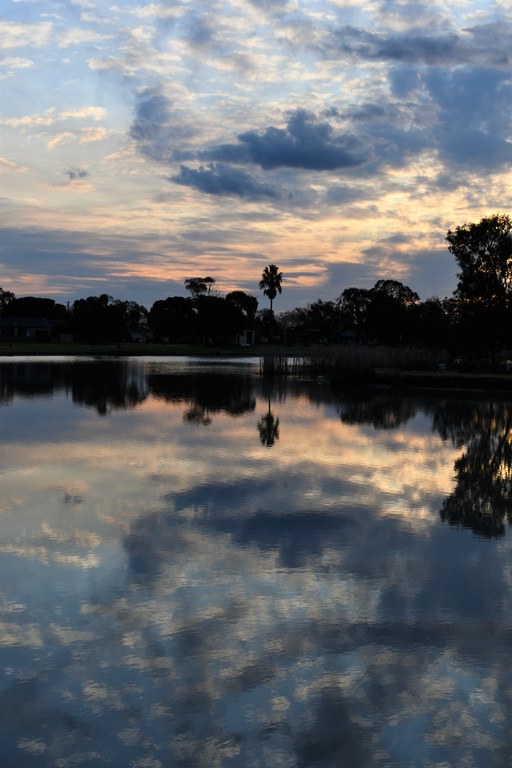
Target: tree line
<point>476,318</point>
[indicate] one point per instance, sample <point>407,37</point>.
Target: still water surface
<point>201,569</point>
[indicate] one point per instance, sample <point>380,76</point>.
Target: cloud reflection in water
<point>175,593</point>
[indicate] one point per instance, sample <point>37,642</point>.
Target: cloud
<point>76,173</point>
<point>306,143</point>
<point>218,179</point>
<point>8,165</point>
<point>202,32</point>
<point>11,64</point>
<point>475,116</point>
<point>52,116</point>
<point>84,136</point>
<point>77,36</point>
<point>158,127</point>
<point>15,35</point>
<point>486,45</point>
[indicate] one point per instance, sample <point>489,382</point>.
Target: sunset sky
<point>144,143</point>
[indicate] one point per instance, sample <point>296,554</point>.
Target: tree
<point>32,306</point>
<point>430,323</point>
<point>388,310</point>
<point>270,282</point>
<point>218,319</point>
<point>134,318</point>
<point>245,302</point>
<point>173,318</point>
<point>483,252</point>
<point>5,298</point>
<point>319,321</point>
<point>353,306</point>
<point>99,319</point>
<point>199,285</point>
<point>393,289</point>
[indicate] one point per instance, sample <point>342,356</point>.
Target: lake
<point>201,568</point>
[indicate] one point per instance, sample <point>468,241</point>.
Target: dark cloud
<point>201,32</point>
<point>76,173</point>
<point>157,127</point>
<point>488,44</point>
<point>226,153</point>
<point>305,143</point>
<point>269,4</point>
<point>466,117</point>
<point>473,129</point>
<point>220,179</point>
<point>342,194</point>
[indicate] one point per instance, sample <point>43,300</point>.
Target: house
<point>27,328</point>
<point>245,338</point>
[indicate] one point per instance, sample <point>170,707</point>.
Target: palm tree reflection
<point>268,427</point>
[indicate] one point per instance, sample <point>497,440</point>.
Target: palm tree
<point>270,282</point>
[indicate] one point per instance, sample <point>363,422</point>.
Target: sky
<point>143,143</point>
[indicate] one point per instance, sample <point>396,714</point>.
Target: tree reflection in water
<point>482,496</point>
<point>205,394</point>
<point>382,412</point>
<point>268,425</point>
<point>482,499</point>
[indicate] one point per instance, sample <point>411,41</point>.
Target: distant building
<point>28,328</point>
<point>245,338</point>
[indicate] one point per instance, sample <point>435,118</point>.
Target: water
<point>201,569</point>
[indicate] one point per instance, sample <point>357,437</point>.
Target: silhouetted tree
<point>379,313</point>
<point>294,319</point>
<point>320,320</point>
<point>218,319</point>
<point>270,282</point>
<point>245,302</point>
<point>353,306</point>
<point>31,306</point>
<point>267,325</point>
<point>430,323</point>
<point>483,252</point>
<point>173,318</point>
<point>98,319</point>
<point>386,315</point>
<point>135,318</point>
<point>324,317</point>
<point>5,299</point>
<point>198,286</point>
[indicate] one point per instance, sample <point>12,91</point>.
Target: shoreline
<point>366,376</point>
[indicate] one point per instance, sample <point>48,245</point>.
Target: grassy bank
<point>127,349</point>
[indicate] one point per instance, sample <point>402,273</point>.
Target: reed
<point>347,364</point>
